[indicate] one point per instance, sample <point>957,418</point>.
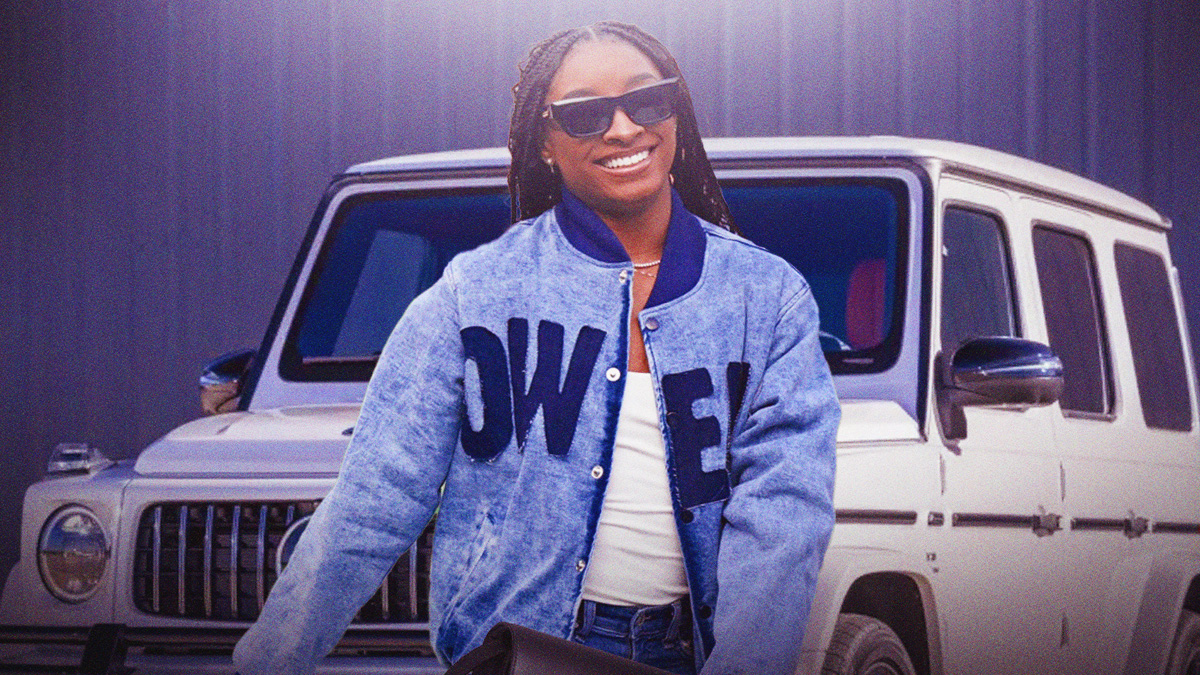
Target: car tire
<point>1185,652</point>
<point>864,645</point>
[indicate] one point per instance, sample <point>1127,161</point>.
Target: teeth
<point>626,161</point>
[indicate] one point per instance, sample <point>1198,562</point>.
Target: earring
<point>550,165</point>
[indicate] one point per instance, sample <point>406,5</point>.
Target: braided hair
<point>535,188</point>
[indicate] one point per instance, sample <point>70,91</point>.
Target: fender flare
<point>845,565</point>
<point>1171,574</point>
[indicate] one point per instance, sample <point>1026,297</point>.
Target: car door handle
<point>1045,524</point>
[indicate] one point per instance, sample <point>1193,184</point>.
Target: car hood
<point>312,439</point>
<point>307,439</point>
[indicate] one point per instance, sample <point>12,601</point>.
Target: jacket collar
<point>683,251</point>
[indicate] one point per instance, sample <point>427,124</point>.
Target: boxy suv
<point>1018,487</point>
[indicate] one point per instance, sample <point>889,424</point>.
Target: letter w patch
<point>560,407</point>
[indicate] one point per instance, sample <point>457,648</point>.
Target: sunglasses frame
<point>554,111</point>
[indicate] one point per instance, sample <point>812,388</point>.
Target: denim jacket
<point>495,403</point>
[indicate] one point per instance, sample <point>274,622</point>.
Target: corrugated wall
<point>161,159</point>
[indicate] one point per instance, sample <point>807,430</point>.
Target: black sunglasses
<point>591,116</point>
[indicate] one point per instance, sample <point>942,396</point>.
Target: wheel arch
<point>905,603</point>
<point>1173,585</point>
<point>1191,599</point>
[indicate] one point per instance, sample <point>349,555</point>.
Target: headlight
<point>72,554</point>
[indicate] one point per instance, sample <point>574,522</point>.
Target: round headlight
<point>72,554</point>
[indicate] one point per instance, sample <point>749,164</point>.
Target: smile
<point>628,160</point>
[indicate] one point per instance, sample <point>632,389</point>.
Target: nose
<point>622,127</point>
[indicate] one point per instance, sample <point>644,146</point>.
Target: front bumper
<point>105,648</point>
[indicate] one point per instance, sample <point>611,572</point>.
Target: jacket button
<point>652,324</point>
<point>704,611</point>
<point>597,471</point>
<point>580,565</point>
<point>686,516</point>
<point>624,276</point>
<point>613,374</point>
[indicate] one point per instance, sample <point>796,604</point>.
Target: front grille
<point>217,561</point>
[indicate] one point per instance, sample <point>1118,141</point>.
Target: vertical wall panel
<point>1122,94</point>
<point>701,54</point>
<point>816,66</point>
<point>751,84</point>
<point>1063,85</point>
<point>994,84</point>
<point>873,43</point>
<point>932,90</point>
<point>1177,177</point>
<point>28,33</point>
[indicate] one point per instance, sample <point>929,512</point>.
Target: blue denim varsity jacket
<point>495,403</point>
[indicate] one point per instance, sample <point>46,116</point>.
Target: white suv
<point>1018,486</point>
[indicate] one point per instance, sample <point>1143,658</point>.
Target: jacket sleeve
<point>779,515</point>
<point>385,494</point>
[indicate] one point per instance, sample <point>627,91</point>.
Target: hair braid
<point>535,188</point>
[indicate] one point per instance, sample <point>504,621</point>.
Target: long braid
<point>535,188</point>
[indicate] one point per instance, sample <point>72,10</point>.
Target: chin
<point>627,199</point>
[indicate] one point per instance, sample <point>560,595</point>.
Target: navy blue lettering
<point>560,408</point>
<point>485,349</point>
<point>689,436</point>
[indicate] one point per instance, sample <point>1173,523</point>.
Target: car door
<point>1123,448</point>
<point>1000,610</point>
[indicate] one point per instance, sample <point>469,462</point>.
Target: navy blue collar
<point>683,251</point>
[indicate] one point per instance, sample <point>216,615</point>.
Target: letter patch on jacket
<point>485,349</point>
<point>690,436</point>
<point>507,404</point>
<point>560,409</point>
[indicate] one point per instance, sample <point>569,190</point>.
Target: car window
<point>1074,319</point>
<point>381,252</point>
<point>847,237</point>
<point>977,288</point>
<point>1154,337</point>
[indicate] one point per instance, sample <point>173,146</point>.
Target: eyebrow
<point>632,82</point>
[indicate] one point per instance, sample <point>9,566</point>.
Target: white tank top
<point>636,558</point>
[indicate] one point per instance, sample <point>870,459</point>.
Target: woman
<point>617,409</point>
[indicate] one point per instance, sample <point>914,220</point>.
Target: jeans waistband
<point>635,621</point>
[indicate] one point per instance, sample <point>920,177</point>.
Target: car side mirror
<point>222,379</point>
<point>995,371</point>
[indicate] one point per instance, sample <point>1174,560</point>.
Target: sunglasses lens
<point>585,118</point>
<point>649,106</point>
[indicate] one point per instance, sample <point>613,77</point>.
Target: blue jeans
<point>659,636</point>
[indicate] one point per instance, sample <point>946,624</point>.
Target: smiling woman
<point>621,170</point>
<point>687,414</point>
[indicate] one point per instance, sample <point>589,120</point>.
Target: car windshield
<point>844,235</point>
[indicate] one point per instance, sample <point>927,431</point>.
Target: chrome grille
<point>216,561</point>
